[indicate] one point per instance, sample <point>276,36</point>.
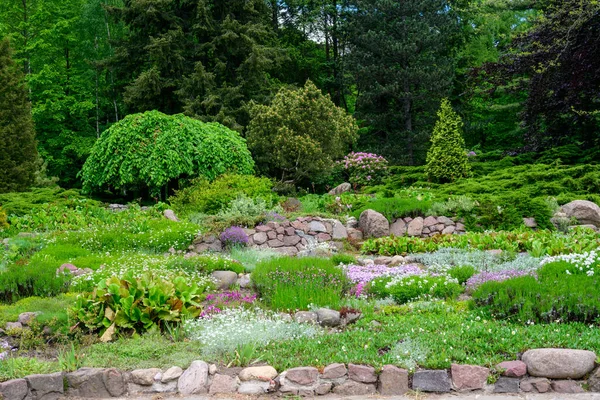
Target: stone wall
<point>539,371</point>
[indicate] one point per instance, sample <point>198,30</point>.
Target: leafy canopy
<point>447,158</point>
<point>149,150</point>
<point>300,134</point>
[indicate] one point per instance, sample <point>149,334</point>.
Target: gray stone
<point>244,281</point>
<point>430,221</point>
<point>114,382</point>
<point>253,388</point>
<point>287,250</point>
<point>304,376</point>
<point>393,381</point>
<point>15,389</point>
<point>169,387</point>
<point>514,369</point>
<point>445,220</point>
<point>194,379</point>
<point>13,325</point>
<point>27,317</point>
<point>353,388</point>
<point>415,227</point>
<point>460,227</point>
<point>224,279</point>
<point>306,317</point>
<point>334,371</point>
<point>355,234</point>
<point>275,243</point>
<point>259,237</point>
<point>449,230</point>
<point>530,222</point>
<point>432,381</point>
<point>362,373</point>
<point>585,212</point>
<point>317,226</point>
<point>341,188</point>
<point>170,214</point>
<point>144,377</point>
<point>262,373</point>
<point>352,223</point>
<point>594,381</point>
<point>396,260</point>
<point>539,385</point>
<point>212,369</point>
<point>171,374</point>
<point>46,387</point>
<point>339,231</point>
<point>559,363</point>
<point>291,240</point>
<point>373,224</point>
<point>323,388</point>
<point>87,383</point>
<point>564,386</point>
<point>382,260</point>
<point>469,377</point>
<point>223,384</point>
<point>327,317</point>
<point>506,385</point>
<point>398,228</point>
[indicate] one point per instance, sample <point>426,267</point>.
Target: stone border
<point>550,370</point>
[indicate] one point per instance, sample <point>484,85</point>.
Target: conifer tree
<point>18,153</point>
<point>447,158</point>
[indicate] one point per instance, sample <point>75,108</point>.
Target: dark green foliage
<point>149,150</point>
<point>415,287</point>
<point>18,154</point>
<point>22,203</point>
<point>346,259</point>
<point>447,158</point>
<point>400,79</point>
<point>462,274</point>
<point>289,284</point>
<point>202,196</point>
<point>555,295</point>
<point>394,207</point>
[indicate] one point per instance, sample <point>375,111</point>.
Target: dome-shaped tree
<point>149,150</point>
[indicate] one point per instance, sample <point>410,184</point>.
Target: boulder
<point>15,389</point>
<point>432,381</point>
<point>398,228</point>
<point>396,260</point>
<point>382,260</point>
<point>194,379</point>
<point>306,317</point>
<point>327,317</point>
<point>263,373</point>
<point>539,385</point>
<point>259,238</point>
<point>559,363</point>
<point>170,214</point>
<point>566,387</point>
<point>317,226</point>
<point>254,388</point>
<point>304,376</point>
<point>46,387</point>
<point>585,212</point>
<point>393,381</point>
<point>341,188</point>
<point>339,231</point>
<point>449,230</point>
<point>171,374</point>
<point>275,243</point>
<point>244,281</point>
<point>87,383</point>
<point>373,224</point>
<point>515,369</point>
<point>506,385</point>
<point>469,377</point>
<point>430,221</point>
<point>355,234</point>
<point>287,250</point>
<point>415,227</point>
<point>334,371</point>
<point>114,382</point>
<point>594,381</point>
<point>353,388</point>
<point>144,377</point>
<point>291,240</point>
<point>223,384</point>
<point>445,220</point>
<point>224,279</point>
<point>351,222</point>
<point>13,325</point>
<point>323,388</point>
<point>362,373</point>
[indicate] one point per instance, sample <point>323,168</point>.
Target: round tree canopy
<point>150,149</point>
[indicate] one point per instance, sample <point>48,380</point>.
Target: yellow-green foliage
<point>447,159</point>
<point>3,220</point>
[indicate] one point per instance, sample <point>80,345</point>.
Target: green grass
<point>20,367</point>
<point>54,308</point>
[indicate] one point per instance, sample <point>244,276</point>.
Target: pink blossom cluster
<point>361,275</point>
<point>499,276</point>
<point>217,301</point>
<point>364,168</point>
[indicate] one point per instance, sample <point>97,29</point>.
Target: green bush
<point>206,197</point>
<point>136,305</point>
<point>462,273</point>
<point>346,259</point>
<point>447,158</point>
<point>559,293</point>
<point>415,287</point>
<point>21,203</point>
<point>149,150</point>
<point>395,207</point>
<point>295,283</point>
<point>3,219</point>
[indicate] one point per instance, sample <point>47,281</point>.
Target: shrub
<point>300,134</point>
<point>462,273</point>
<point>295,283</point>
<point>3,220</point>
<point>151,149</point>
<point>342,258</point>
<point>395,207</point>
<point>412,287</point>
<point>202,196</point>
<point>364,169</point>
<point>447,158</point>
<point>234,236</point>
<point>129,304</point>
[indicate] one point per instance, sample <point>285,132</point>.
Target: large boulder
<point>373,224</point>
<point>585,212</point>
<point>194,379</point>
<point>341,188</point>
<point>559,363</point>
<point>415,227</point>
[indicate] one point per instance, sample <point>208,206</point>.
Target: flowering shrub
<point>364,168</point>
<point>217,302</point>
<point>407,288</point>
<point>584,263</point>
<point>234,236</point>
<point>499,276</point>
<point>361,275</point>
<point>232,328</point>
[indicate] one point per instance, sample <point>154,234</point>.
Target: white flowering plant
<point>584,263</point>
<point>416,287</point>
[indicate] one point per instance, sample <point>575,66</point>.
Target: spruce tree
<point>447,158</point>
<point>18,153</point>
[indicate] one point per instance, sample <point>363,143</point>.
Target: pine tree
<point>447,158</point>
<point>18,153</point>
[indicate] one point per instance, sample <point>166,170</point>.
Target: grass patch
<point>50,309</point>
<point>20,367</point>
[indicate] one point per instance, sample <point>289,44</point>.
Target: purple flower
<point>471,154</point>
<point>234,235</point>
<point>363,274</point>
<point>274,217</point>
<point>483,277</point>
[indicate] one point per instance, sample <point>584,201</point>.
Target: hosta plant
<point>131,304</point>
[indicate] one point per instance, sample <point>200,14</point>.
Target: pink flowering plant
<point>234,236</point>
<point>497,276</point>
<point>364,169</point>
<point>361,275</point>
<point>217,302</point>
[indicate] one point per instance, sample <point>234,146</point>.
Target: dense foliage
<point>149,150</point>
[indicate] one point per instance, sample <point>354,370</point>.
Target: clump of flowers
<point>217,302</point>
<point>499,276</point>
<point>583,263</point>
<point>273,216</point>
<point>234,236</point>
<point>364,168</point>
<point>361,275</point>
